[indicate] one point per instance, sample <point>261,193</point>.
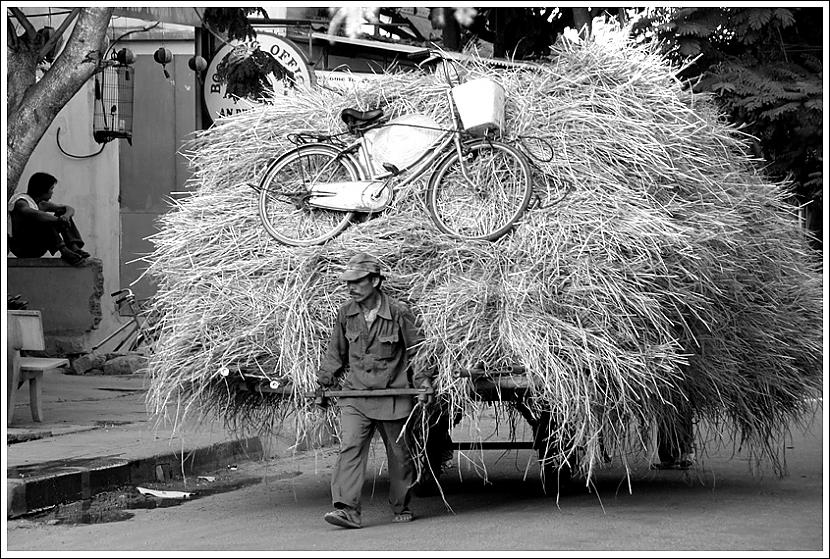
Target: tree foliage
<point>528,32</point>
<point>232,22</point>
<point>246,70</point>
<point>764,66</point>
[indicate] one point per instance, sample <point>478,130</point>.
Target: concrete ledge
<point>68,297</point>
<point>40,486</point>
<point>45,262</point>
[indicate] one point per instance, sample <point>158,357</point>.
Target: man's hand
<point>320,399</point>
<point>324,382</point>
<point>426,399</point>
<point>60,210</point>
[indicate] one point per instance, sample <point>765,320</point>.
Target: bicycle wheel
<point>490,206</point>
<point>284,193</point>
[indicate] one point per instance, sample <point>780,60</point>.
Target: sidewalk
<point>96,435</point>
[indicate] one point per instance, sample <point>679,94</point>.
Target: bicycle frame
<point>415,170</point>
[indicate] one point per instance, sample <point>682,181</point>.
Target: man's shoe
<point>687,460</point>
<point>405,516</point>
<point>71,257</point>
<point>343,518</point>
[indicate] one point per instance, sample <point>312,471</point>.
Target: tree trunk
<point>451,32</point>
<point>499,47</point>
<point>582,21</point>
<point>33,106</point>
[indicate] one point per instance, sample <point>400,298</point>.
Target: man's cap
<point>359,266</point>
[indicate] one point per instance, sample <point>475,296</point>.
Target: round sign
<point>283,50</point>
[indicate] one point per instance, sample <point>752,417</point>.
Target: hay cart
<point>506,386</point>
<point>511,387</point>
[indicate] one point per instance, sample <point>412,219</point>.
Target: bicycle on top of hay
<point>478,190</point>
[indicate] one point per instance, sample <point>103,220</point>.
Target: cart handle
<point>373,393</point>
<point>478,372</point>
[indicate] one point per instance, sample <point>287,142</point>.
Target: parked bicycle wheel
<point>284,193</point>
<point>491,202</point>
<point>148,334</point>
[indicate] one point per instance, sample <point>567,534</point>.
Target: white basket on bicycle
<point>480,105</point>
<point>402,141</point>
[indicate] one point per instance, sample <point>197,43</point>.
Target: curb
<point>56,483</point>
<point>15,436</point>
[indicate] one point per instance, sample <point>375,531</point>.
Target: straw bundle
<point>672,273</point>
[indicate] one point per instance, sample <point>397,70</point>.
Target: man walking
<point>373,340</point>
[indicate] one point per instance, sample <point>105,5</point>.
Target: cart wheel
<point>556,476</point>
<point>438,446</point>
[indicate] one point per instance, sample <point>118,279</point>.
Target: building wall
<point>89,185</point>
<point>152,169</point>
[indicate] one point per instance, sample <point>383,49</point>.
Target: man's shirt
<point>14,218</point>
<point>374,356</point>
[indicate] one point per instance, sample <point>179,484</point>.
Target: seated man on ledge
<point>37,225</point>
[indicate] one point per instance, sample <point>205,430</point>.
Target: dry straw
<point>672,273</point>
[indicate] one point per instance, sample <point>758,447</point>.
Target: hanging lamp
<point>164,57</point>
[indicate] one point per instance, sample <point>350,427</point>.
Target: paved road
<point>720,506</point>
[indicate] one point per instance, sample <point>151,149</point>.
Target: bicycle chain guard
<point>351,196</point>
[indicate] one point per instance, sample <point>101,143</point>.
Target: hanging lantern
<point>197,64</point>
<point>164,57</point>
<point>125,57</point>
<point>113,106</point>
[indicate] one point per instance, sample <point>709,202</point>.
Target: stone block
<point>125,364</point>
<point>83,364</point>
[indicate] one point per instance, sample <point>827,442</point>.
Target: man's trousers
<point>356,431</point>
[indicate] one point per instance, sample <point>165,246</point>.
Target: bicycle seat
<point>352,115</point>
<point>360,120</point>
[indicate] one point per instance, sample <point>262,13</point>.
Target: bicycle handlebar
<point>430,55</point>
<point>128,297</point>
<point>419,54</point>
<point>427,56</point>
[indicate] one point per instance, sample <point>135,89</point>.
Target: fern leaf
<point>779,112</point>
<point>784,16</point>
<point>689,47</point>
<point>722,87</point>
<point>694,29</point>
<point>757,18</point>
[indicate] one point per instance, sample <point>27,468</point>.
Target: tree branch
<point>11,36</point>
<point>207,27</point>
<point>57,35</point>
<point>24,21</point>
<point>38,104</point>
